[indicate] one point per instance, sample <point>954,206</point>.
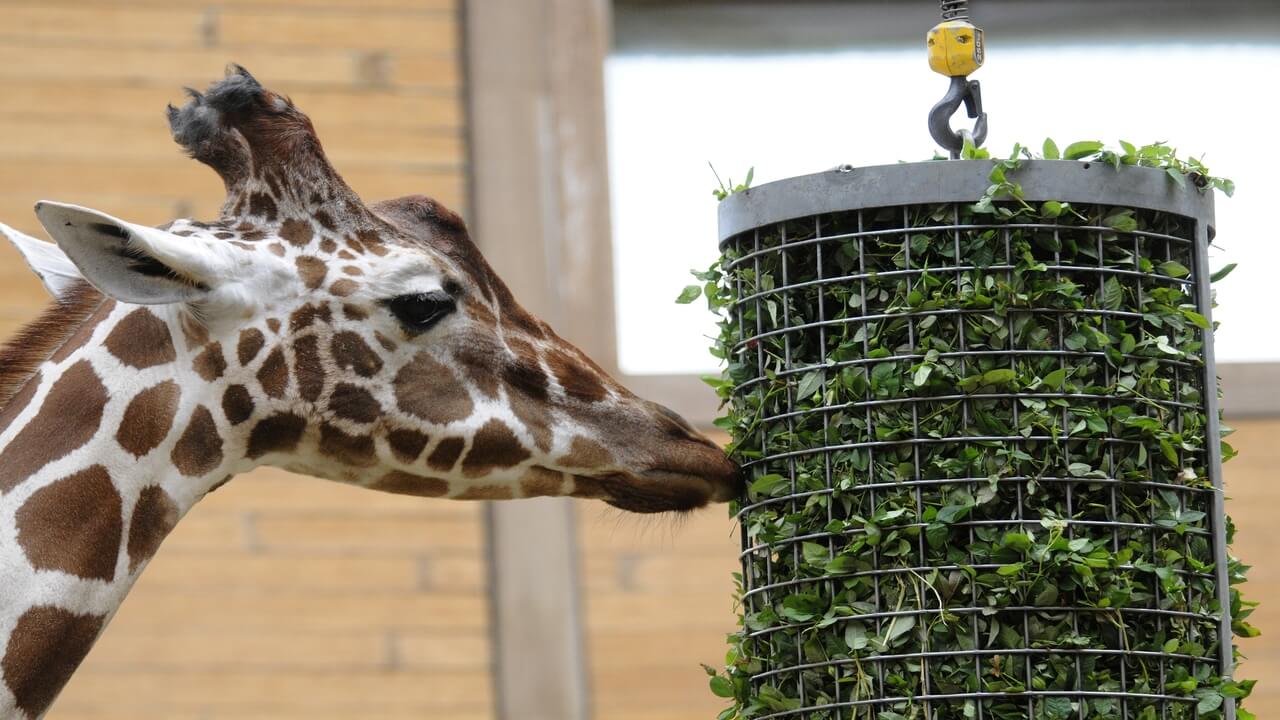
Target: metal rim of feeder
<point>854,190</point>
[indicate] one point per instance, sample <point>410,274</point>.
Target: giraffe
<point>366,344</point>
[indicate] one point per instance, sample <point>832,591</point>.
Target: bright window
<point>795,114</point>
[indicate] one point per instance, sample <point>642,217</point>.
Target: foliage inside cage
<point>982,457</point>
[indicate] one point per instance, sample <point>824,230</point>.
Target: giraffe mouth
<point>654,491</point>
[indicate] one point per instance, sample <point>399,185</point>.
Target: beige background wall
<point>285,597</point>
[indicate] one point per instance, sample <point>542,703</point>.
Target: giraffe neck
<point>103,448</point>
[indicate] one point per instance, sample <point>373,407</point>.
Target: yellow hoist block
<point>955,48</point>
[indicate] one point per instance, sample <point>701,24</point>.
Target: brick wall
<point>278,597</point>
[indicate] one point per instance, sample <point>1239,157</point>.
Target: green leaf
<point>689,294</point>
<point>1017,541</point>
<point>815,554</point>
<point>1010,569</point>
<point>898,626</point>
<point>810,383</point>
<point>922,375</point>
<point>937,535</point>
<point>1173,268</point>
<point>855,635</point>
<point>953,513</point>
<point>1055,379</point>
<point>1081,149</point>
<point>721,687</point>
<point>1079,469</point>
<point>1225,271</point>
<point>1122,220</point>
<point>1051,209</point>
<point>1051,150</point>
<point>768,485</point>
<point>1002,376</point>
<point>1112,295</point>
<point>1057,708</point>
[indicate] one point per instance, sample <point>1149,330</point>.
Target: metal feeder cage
<point>837,278</point>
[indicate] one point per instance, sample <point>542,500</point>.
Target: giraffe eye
<point>419,312</point>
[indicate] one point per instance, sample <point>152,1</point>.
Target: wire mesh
<point>911,614</point>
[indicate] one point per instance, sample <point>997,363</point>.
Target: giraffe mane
<point>40,338</point>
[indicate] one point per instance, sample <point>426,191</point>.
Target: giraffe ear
<point>134,263</point>
<point>46,260</point>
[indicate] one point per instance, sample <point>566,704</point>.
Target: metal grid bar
<point>793,327</point>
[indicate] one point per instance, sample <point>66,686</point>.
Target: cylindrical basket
<point>983,445</point>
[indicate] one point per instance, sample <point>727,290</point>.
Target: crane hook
<point>962,90</point>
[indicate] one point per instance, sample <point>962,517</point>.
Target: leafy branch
<point>978,457</point>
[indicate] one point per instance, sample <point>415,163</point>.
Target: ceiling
<point>718,26</point>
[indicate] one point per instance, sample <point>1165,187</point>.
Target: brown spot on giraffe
<point>479,361</point>
<point>354,403</point>
<point>199,449</point>
<point>68,418</point>
<point>578,380</point>
<point>407,444</point>
<point>585,453</point>
<point>44,650</point>
<point>312,270</point>
<point>274,374</point>
<point>535,416</point>
<point>154,516</point>
<point>148,418</point>
<point>73,525</point>
<point>387,343</point>
<point>403,483</point>
<point>352,353</point>
<point>588,488</point>
<point>307,315</point>
<point>273,324</point>
<point>251,342</point>
<point>428,390</point>
<point>352,270</point>
<point>349,449</point>
<point>84,333</point>
<point>325,220</point>
<point>539,481</point>
<point>237,404</point>
<point>280,432</point>
<point>297,232</point>
<point>210,364</point>
<point>276,249</point>
<point>307,367</point>
<point>327,245</point>
<point>493,446</point>
<point>262,204</point>
<point>141,340</point>
<point>354,312</point>
<point>356,246</point>
<point>344,287</point>
<point>486,492</point>
<point>446,453</point>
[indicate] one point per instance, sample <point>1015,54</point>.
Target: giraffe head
<point>369,344</point>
